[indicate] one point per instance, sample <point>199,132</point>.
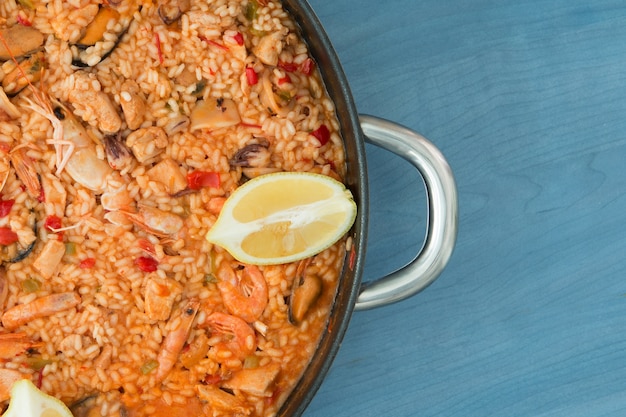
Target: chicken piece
<point>133,104</point>
<point>256,381</point>
<point>168,173</point>
<point>48,260</point>
<point>159,298</point>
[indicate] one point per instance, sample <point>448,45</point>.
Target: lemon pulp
<point>283,217</point>
<point>28,401</point>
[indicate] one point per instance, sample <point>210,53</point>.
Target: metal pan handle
<point>442,214</point>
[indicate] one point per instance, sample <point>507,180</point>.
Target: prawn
<point>13,344</point>
<point>7,378</point>
<point>245,296</point>
<point>176,338</point>
<point>40,307</point>
<point>74,148</point>
<point>236,336</point>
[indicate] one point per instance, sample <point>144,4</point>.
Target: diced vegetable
<point>70,248</point>
<point>31,285</point>
<point>87,263</point>
<point>322,134</point>
<point>52,223</point>
<point>149,366</point>
<point>146,263</point>
<point>251,76</point>
<point>200,179</point>
<point>252,9</point>
<point>239,38</point>
<point>5,207</point>
<point>7,236</point>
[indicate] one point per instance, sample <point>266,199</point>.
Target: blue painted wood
<point>527,99</point>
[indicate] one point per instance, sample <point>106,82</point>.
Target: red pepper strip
<point>5,207</point>
<point>53,223</point>
<point>23,21</point>
<point>284,80</point>
<point>7,236</point>
<point>146,263</point>
<point>87,263</point>
<point>238,38</point>
<point>218,45</point>
<point>250,125</point>
<point>322,134</point>
<point>288,66</point>
<point>307,66</point>
<point>199,179</point>
<point>157,41</point>
<point>251,76</point>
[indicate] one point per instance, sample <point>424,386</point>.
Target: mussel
<point>28,72</point>
<point>171,10</point>
<point>306,289</point>
<point>93,47</point>
<point>21,40</point>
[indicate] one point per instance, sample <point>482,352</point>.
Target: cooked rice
<point>101,351</point>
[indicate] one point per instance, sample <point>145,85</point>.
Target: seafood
<point>155,221</point>
<point>94,32</point>
<point>168,173</point>
<point>171,10</point>
<point>76,151</point>
<point>244,294</point>
<point>269,48</point>
<point>49,258</point>
<point>305,290</point>
<point>88,96</point>
<point>252,155</point>
<point>147,143</point>
<point>7,378</point>
<point>160,294</point>
<point>220,400</point>
<point>19,40</point>
<point>8,111</point>
<point>214,113</point>
<point>256,381</point>
<point>40,307</point>
<point>119,155</point>
<point>125,126</point>
<point>176,338</point>
<point>133,104</point>
<point>26,171</point>
<point>102,35</point>
<point>13,344</point>
<point>236,336</point>
<point>27,71</point>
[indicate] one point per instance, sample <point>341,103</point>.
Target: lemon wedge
<point>283,217</point>
<point>28,401</point>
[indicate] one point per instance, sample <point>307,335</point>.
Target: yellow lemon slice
<point>283,217</point>
<point>28,401</point>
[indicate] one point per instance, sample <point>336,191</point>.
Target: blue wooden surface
<point>527,100</point>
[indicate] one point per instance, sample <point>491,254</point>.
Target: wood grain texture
<point>527,100</point>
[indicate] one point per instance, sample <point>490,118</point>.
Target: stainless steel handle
<point>442,214</point>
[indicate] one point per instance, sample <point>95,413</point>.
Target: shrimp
<point>26,171</point>
<point>176,338</point>
<point>155,221</point>
<point>237,337</point>
<point>13,344</point>
<point>41,307</point>
<point>7,378</point>
<point>244,296</point>
<point>75,150</point>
